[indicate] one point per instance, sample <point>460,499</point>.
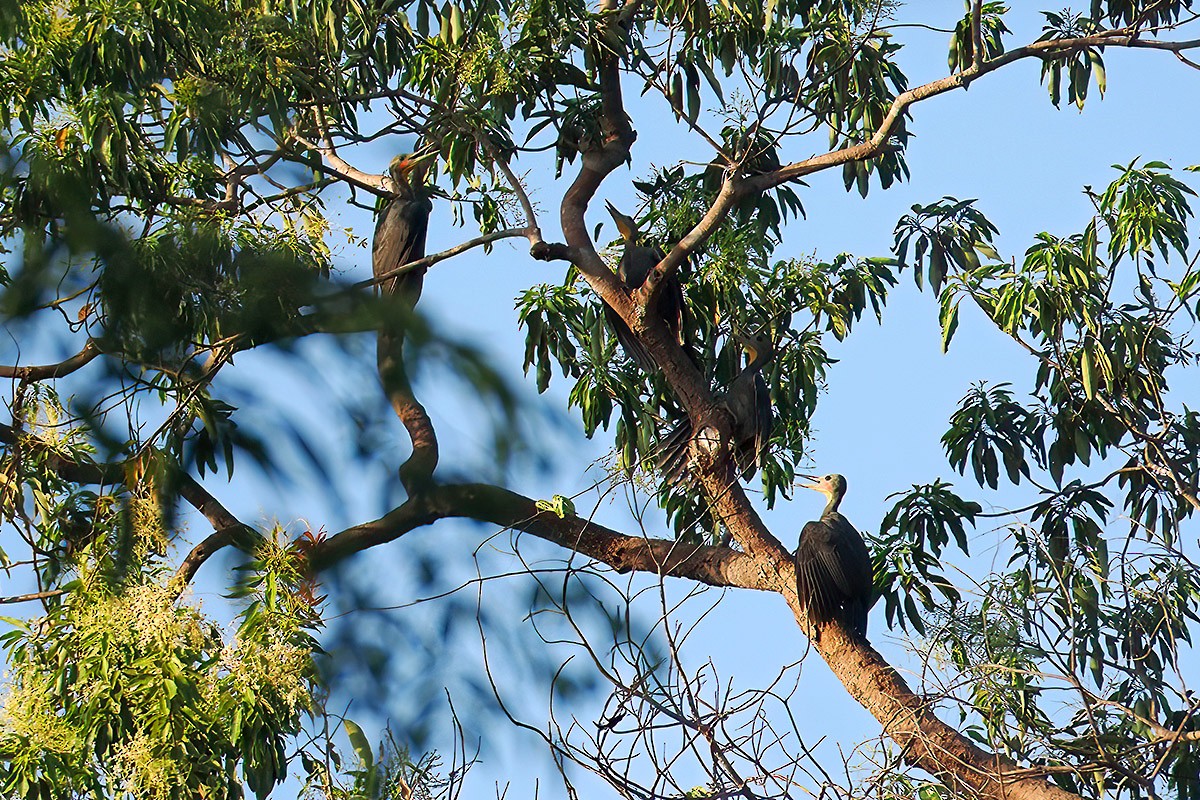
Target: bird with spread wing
<point>748,401</point>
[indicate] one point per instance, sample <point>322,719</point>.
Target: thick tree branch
<point>908,719</point>
<point>228,530</point>
<point>715,566</point>
<point>600,158</point>
<point>876,145</point>
<point>598,161</point>
<point>46,371</point>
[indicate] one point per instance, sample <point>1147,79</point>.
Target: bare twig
<point>25,598</point>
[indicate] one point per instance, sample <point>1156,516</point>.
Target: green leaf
<point>948,319</point>
<point>358,741</point>
<point>1087,373</point>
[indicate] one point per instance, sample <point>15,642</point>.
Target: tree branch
<point>599,160</point>
<point>1052,48</point>
<point>339,167</point>
<point>428,261</point>
<point>45,371</point>
<point>25,598</point>
<point>715,566</point>
<point>228,530</point>
<point>533,232</point>
<point>731,191</point>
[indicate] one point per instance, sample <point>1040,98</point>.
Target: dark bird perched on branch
<point>401,230</point>
<point>833,567</point>
<point>748,402</point>
<point>636,263</point>
<point>400,239</point>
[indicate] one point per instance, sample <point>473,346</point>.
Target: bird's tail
<point>854,615</point>
<point>672,459</point>
<point>629,343</point>
<point>815,597</point>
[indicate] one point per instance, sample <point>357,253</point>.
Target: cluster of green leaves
<point>1001,706</point>
<point>1105,315</point>
<point>992,30</point>
<point>950,233</point>
<point>907,560</point>
<point>133,92</point>
<point>122,689</point>
<point>391,772</point>
<point>62,519</point>
<point>1112,633</point>
<point>1127,12</point>
<point>1102,363</point>
<point>854,83</point>
<point>1080,67</point>
<point>987,422</point>
<point>207,282</point>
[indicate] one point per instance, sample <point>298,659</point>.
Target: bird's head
<point>626,225</point>
<point>407,171</point>
<point>758,347</point>
<point>832,486</point>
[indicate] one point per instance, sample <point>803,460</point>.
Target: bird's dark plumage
<point>401,230</point>
<point>833,565</point>
<point>635,265</point>
<point>400,239</point>
<point>749,403</point>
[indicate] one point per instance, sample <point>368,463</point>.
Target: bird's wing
<point>385,244</point>
<point>765,418</point>
<point>738,399</point>
<point>632,271</point>
<point>672,459</point>
<point>749,402</point>
<point>671,306</point>
<point>855,557</point>
<point>399,239</point>
<point>838,560</point>
<point>629,343</point>
<point>817,572</point>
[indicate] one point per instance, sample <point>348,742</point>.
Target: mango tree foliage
<point>173,174</point>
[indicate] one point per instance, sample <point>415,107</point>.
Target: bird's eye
<point>828,477</point>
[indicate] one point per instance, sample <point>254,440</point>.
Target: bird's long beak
<point>625,225</point>
<point>815,483</point>
<point>748,345</point>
